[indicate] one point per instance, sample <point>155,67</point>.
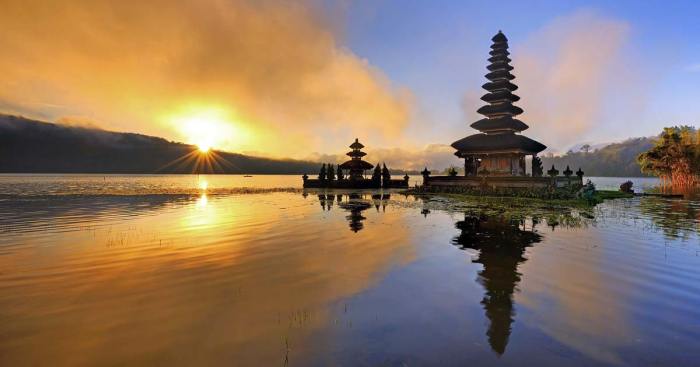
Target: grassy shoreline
<point>598,197</point>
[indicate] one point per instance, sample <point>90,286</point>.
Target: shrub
<point>626,187</point>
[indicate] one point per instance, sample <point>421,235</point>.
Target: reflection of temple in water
<point>501,244</point>
<point>354,203</point>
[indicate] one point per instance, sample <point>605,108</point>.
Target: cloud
<point>277,68</point>
<point>566,72</point>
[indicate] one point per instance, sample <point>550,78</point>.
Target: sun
<point>207,128</point>
<point>203,147</point>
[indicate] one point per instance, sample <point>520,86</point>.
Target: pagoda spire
<point>356,165</point>
<point>500,110</point>
<point>356,153</point>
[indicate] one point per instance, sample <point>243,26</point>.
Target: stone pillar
<point>426,176</point>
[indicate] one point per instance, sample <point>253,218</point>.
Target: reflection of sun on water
<point>202,201</point>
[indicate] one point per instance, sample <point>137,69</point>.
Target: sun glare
<point>206,127</point>
<point>203,147</point>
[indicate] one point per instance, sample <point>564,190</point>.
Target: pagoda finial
<point>499,37</point>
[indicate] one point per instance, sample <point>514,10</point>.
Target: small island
<point>355,168</point>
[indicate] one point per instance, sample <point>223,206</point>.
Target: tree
<point>377,176</point>
<point>675,157</point>
<point>536,167</point>
<point>322,173</point>
<point>331,172</point>
<point>340,173</point>
<point>386,176</point>
<point>586,148</point>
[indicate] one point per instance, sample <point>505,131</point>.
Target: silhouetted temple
<point>356,166</point>
<point>355,169</point>
<point>498,151</point>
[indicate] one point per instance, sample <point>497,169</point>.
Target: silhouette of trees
<point>322,173</point>
<point>331,172</point>
<point>618,159</point>
<point>377,176</point>
<point>536,167</point>
<point>340,173</point>
<point>386,175</point>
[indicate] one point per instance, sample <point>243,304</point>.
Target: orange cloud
<point>565,72</point>
<point>275,67</point>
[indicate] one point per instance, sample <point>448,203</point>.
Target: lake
<point>254,271</point>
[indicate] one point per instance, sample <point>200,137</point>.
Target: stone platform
<point>512,182</point>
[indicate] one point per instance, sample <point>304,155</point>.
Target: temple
<point>355,168</point>
<point>497,153</point>
<point>499,148</point>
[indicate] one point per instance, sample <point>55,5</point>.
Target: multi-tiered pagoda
<point>499,150</point>
<point>356,166</point>
<point>355,169</point>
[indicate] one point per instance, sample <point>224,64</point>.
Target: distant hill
<point>617,159</point>
<point>29,146</point>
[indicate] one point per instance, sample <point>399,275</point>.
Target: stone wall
<point>502,182</point>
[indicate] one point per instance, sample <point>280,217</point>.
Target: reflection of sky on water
<point>334,278</point>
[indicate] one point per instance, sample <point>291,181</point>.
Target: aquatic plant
<point>587,192</point>
<point>567,192</point>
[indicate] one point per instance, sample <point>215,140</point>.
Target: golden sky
<point>272,73</point>
<point>278,78</point>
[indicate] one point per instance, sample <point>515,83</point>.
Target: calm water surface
<point>194,273</point>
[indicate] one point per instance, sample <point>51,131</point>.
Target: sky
<point>304,79</point>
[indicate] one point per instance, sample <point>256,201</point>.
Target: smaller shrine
<point>352,174</point>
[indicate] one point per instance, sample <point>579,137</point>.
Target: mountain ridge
<point>32,146</point>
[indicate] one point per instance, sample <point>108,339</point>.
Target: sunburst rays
<point>199,161</point>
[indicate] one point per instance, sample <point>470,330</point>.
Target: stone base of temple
<point>354,184</point>
<point>510,182</point>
